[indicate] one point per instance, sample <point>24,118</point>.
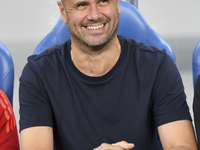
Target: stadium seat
<point>196,63</point>
<point>131,25</point>
<point>6,72</point>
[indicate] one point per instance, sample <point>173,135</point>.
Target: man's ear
<point>118,7</point>
<point>62,11</point>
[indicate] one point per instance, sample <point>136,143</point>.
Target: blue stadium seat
<point>196,63</point>
<point>131,25</point>
<point>6,72</point>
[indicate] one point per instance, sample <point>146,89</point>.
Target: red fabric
<point>8,129</point>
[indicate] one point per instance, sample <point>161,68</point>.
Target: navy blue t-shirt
<point>141,92</point>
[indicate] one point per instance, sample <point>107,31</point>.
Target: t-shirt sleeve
<point>35,108</point>
<point>169,99</point>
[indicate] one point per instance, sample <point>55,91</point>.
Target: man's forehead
<point>77,1</point>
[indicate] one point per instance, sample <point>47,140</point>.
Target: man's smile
<point>95,27</point>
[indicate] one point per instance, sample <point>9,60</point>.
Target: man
<point>102,91</point>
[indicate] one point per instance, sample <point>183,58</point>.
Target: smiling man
<point>102,91</point>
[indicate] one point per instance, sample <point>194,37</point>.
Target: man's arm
<point>37,138</point>
<point>177,135</point>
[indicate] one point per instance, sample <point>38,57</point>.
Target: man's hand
<point>123,145</point>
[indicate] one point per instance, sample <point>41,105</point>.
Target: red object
<point>8,129</point>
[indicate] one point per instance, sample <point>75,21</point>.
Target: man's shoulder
<point>45,62</point>
<point>51,52</point>
<point>142,48</point>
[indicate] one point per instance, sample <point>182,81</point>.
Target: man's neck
<point>97,63</point>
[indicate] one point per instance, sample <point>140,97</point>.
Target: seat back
<point>196,62</point>
<point>6,72</point>
<point>131,25</point>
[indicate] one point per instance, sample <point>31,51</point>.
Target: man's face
<point>91,22</point>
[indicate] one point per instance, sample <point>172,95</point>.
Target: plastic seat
<point>131,25</point>
<point>6,72</point>
<point>196,62</point>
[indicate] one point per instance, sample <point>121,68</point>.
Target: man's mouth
<point>95,27</point>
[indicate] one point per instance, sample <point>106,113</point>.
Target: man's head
<point>91,23</point>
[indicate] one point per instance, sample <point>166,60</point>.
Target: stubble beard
<point>81,39</point>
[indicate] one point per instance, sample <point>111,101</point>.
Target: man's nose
<point>94,13</point>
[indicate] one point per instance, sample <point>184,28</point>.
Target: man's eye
<point>104,2</point>
<point>81,5</point>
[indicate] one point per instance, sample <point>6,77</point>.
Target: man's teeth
<point>95,27</point>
